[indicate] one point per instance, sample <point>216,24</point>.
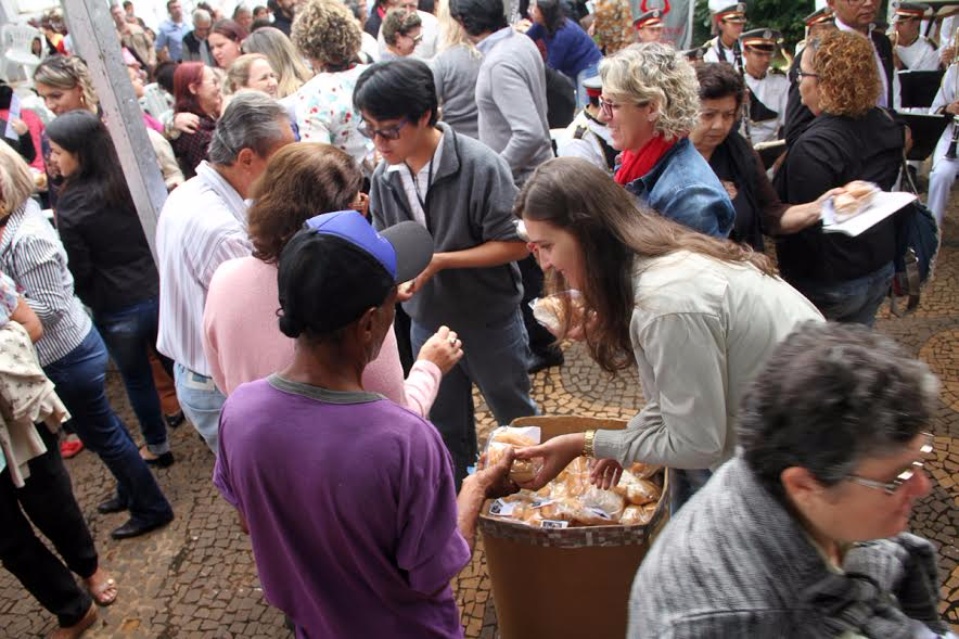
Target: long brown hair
<point>612,230</point>
<point>301,180</point>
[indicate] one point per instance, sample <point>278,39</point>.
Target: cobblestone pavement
<point>196,578</point>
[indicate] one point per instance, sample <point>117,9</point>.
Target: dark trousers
<point>47,499</point>
<point>80,380</point>
<point>540,339</point>
<point>129,335</point>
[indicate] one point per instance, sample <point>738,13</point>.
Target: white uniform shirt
<point>773,91</point>
<point>717,52</point>
<point>919,56</point>
<point>587,146</point>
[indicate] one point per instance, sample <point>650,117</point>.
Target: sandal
<point>76,630</point>
<point>101,587</point>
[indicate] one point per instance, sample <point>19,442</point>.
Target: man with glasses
<point>802,534</point>
<point>463,193</point>
<point>860,16</point>
<point>428,44</point>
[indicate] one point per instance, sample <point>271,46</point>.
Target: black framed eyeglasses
<point>387,133</point>
<point>802,74</point>
<point>902,478</point>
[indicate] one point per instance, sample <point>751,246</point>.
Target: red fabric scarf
<point>637,164</point>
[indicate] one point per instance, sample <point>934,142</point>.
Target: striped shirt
<point>32,255</point>
<point>202,225</point>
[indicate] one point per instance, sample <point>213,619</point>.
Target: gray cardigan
<point>735,563</point>
<point>469,202</point>
<point>455,71</point>
<point>511,98</point>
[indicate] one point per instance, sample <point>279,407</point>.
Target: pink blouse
<point>243,342</point>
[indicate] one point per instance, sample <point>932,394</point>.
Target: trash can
<point>570,582</point>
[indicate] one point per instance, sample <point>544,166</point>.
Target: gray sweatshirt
<point>455,71</point>
<point>511,98</point>
<point>469,202</point>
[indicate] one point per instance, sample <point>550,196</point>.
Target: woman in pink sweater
<point>242,339</point>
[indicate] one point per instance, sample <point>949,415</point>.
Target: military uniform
<point>715,50</point>
<point>767,94</point>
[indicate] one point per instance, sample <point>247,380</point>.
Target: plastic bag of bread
<point>637,491</point>
<point>604,501</point>
<point>506,437</point>
<point>573,481</point>
<point>852,199</point>
<point>637,515</point>
<point>558,312</point>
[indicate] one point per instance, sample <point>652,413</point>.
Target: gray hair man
<point>195,45</point>
<point>203,224</point>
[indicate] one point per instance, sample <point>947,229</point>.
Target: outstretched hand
<point>556,455</point>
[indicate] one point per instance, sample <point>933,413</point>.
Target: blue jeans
<point>854,301</point>
<point>201,403</point>
<point>130,334</point>
<point>495,359</point>
<point>79,377</point>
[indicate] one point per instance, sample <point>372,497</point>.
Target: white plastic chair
<point>16,41</point>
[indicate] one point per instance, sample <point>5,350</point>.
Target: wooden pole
<point>95,40</point>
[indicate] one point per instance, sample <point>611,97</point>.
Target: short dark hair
<point>401,88</point>
<point>720,80</point>
<point>127,4</point>
<point>170,3</point>
<point>163,73</point>
<point>479,16</point>
<point>554,15</point>
<point>830,396</point>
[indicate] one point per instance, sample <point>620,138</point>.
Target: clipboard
<point>926,131</point>
<point>917,89</point>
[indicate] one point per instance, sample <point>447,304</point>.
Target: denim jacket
<point>683,187</point>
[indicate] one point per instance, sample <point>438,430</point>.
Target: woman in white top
<point>328,35</point>
<point>698,317</point>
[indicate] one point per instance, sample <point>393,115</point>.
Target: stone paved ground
<point>197,579</point>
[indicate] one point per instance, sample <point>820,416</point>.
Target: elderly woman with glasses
<point>801,534</point>
<point>402,31</point>
<point>650,103</point>
<point>847,278</point>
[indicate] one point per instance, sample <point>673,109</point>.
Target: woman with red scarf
<point>650,103</point>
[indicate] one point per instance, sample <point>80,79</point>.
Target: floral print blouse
<point>324,113</point>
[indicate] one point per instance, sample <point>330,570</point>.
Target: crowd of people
<point>363,202</point>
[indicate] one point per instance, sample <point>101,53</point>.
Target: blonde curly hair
<point>849,82</point>
<point>654,72</point>
<point>327,33</point>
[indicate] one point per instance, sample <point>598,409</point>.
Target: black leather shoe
<point>174,420</point>
<point>112,505</point>
<point>161,461</point>
<point>547,359</point>
<point>135,528</point>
